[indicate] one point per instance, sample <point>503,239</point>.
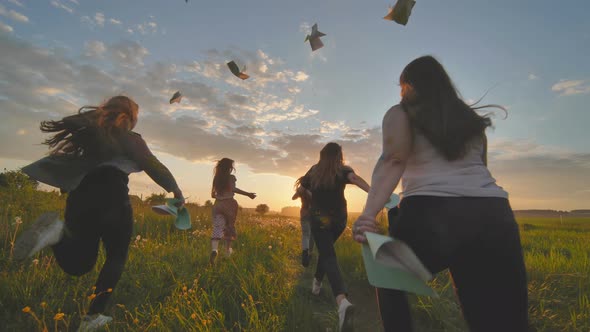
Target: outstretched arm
<point>358,181</point>
<point>245,193</point>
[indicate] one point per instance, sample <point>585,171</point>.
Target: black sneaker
<point>305,258</point>
<point>212,257</point>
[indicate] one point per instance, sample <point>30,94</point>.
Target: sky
<point>529,56</point>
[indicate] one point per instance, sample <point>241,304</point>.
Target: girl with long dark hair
<point>92,154</point>
<point>225,208</point>
<point>452,213</point>
<point>326,181</point>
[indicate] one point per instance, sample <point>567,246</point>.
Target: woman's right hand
<point>178,195</point>
<point>252,195</point>
<point>363,224</point>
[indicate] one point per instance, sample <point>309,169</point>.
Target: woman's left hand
<point>361,225</point>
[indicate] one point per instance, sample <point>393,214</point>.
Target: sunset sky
<point>532,56</point>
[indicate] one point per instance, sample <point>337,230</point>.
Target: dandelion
<point>188,302</point>
<point>59,316</point>
<point>204,321</point>
<point>43,304</point>
<point>27,309</point>
<point>110,290</point>
<point>93,288</point>
<point>136,321</point>
<point>92,296</point>
<point>184,289</point>
<point>194,316</point>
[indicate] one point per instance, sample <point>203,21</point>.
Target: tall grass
<point>168,286</point>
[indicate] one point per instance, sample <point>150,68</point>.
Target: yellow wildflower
<point>27,309</point>
<point>136,321</point>
<point>110,290</point>
<point>43,304</point>
<point>92,296</point>
<point>59,316</point>
<point>194,316</point>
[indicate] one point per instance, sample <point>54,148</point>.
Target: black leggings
<point>326,230</point>
<point>97,209</point>
<point>478,240</point>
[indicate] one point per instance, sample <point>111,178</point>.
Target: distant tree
<point>262,209</point>
<point>208,203</point>
<point>17,180</point>
<point>156,199</point>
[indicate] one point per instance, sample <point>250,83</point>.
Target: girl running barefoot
<point>92,154</point>
<point>225,209</point>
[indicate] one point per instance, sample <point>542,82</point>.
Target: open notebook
<point>183,219</point>
<point>390,263</point>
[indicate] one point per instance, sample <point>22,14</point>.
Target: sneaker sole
<point>348,325</point>
<point>25,245</point>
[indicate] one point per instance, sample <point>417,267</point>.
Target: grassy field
<point>167,285</point>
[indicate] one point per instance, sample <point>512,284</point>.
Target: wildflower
<point>18,220</point>
<point>136,321</point>
<point>27,309</point>
<point>269,247</point>
<point>93,288</point>
<point>138,237</point>
<point>59,316</point>
<point>35,261</point>
<point>194,316</point>
<point>184,289</point>
<point>204,321</point>
<point>43,304</point>
<point>188,302</point>
<point>110,290</point>
<point>92,296</point>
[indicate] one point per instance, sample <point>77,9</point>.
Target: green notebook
<point>183,219</point>
<point>390,263</point>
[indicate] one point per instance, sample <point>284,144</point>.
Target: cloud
<point>6,28</point>
<point>16,2</point>
<point>14,15</point>
<point>94,49</point>
<point>59,4</point>
<point>115,22</point>
<point>217,118</point>
<point>147,27</point>
<point>571,87</point>
<point>533,77</point>
<point>128,53</point>
<point>99,19</point>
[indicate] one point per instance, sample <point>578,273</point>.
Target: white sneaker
<point>93,322</point>
<point>47,230</point>
<point>346,316</point>
<point>316,286</point>
<point>228,252</point>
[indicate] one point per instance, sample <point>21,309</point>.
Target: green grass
<point>167,285</point>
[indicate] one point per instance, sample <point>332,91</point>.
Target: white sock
<point>214,245</point>
<point>344,302</point>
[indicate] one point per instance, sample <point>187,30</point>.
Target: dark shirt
<point>328,201</point>
<point>66,172</point>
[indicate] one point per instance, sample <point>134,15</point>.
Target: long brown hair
<point>221,177</point>
<point>325,173</point>
<point>93,130</point>
<point>436,110</point>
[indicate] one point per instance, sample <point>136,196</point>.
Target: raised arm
<point>397,146</point>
